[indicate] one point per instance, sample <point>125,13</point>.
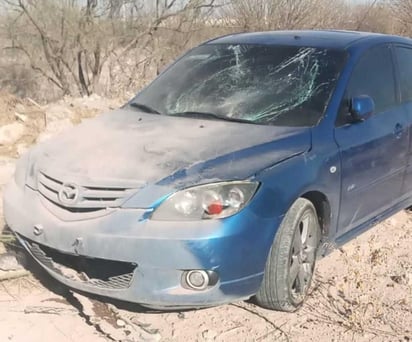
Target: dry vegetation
<point>52,48</point>
<point>54,52</point>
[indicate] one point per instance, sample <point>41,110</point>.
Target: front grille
<point>100,273</point>
<point>90,198</point>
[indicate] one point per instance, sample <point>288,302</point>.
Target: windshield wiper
<point>207,115</point>
<point>144,108</point>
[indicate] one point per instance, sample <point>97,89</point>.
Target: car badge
<point>69,194</point>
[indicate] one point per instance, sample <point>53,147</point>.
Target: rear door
<point>404,63</point>
<point>373,152</point>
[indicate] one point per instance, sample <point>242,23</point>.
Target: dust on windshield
<point>263,84</point>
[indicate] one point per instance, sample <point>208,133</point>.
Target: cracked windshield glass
<point>279,85</point>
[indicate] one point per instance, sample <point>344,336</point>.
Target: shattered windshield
<point>262,84</point>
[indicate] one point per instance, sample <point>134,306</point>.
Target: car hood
<point>127,146</point>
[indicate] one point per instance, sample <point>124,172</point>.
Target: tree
<point>69,42</point>
<point>402,11</point>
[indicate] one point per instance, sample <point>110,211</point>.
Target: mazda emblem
<point>69,193</point>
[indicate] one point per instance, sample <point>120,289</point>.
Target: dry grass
<point>373,295</point>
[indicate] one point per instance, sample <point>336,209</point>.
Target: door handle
<point>398,130</point>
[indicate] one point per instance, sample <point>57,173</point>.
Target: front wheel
<point>291,261</point>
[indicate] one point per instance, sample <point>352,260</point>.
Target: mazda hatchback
<point>226,176</point>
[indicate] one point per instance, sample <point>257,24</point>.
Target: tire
<point>291,261</point>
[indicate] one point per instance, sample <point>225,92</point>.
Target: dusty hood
<point>127,146</point>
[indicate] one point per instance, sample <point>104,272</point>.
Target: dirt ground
<point>361,292</point>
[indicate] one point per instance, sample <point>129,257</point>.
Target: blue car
<point>226,177</point>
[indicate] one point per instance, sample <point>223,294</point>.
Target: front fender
<point>293,178</point>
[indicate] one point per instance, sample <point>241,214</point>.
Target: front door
<point>404,61</point>
<point>373,152</point>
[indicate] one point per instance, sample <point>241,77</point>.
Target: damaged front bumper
<point>124,255</point>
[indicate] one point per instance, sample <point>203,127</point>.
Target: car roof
<point>337,39</point>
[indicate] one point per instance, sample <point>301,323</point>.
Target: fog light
<point>197,279</point>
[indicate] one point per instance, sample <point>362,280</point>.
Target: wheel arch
<point>323,210</point>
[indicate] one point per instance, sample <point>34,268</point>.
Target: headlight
<point>21,170</point>
<point>210,201</point>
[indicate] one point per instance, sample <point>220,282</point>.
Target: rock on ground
<point>7,166</point>
<point>8,262</point>
<point>55,112</point>
<point>10,133</point>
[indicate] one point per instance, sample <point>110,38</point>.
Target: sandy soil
<point>361,292</point>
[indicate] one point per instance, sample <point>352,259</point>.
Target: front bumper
<point>235,248</point>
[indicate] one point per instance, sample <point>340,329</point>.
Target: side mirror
<point>361,107</point>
